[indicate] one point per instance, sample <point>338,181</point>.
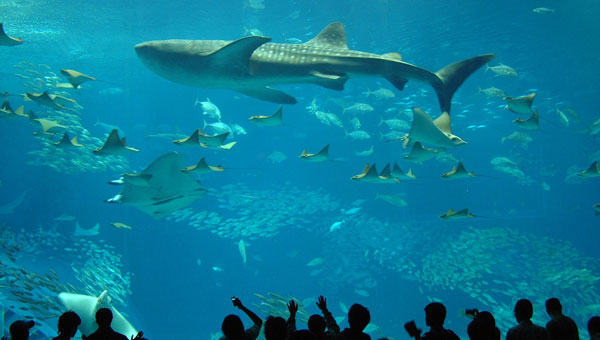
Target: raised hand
<point>292,307</point>
<point>322,303</point>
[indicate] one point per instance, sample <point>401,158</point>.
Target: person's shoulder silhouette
<point>525,329</point>
<point>104,318</point>
<point>275,328</point>
<point>233,328</point>
<point>19,330</point>
<point>435,315</point>
<point>593,327</point>
<point>483,327</point>
<point>560,327</point>
<point>68,323</point>
<point>358,318</point>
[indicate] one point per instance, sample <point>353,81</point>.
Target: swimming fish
<point>325,60</point>
<point>320,156</point>
<point>458,171</point>
<point>275,119</point>
<point>5,40</point>
<point>520,105</point>
<point>456,215</point>
<point>114,145</point>
<point>502,70</point>
<point>120,225</point>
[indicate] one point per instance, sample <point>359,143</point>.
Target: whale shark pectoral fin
<point>238,52</point>
<point>398,82</point>
<point>267,93</point>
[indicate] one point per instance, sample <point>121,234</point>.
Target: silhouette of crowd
<point>482,326</point>
<point>324,327</point>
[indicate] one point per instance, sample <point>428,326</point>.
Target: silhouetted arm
<point>332,326</point>
<point>257,321</point>
<point>291,321</point>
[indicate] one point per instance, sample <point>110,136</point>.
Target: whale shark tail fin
<point>452,76</point>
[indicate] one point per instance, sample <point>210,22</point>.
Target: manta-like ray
<point>531,123</point>
<point>431,131</point>
<point>115,145</point>
<point>164,188</point>
<point>6,110</point>
<point>419,154</point>
<point>135,179</point>
<point>50,126</point>
<point>457,215</point>
<point>457,172</point>
<point>592,171</point>
<point>197,138</point>
<point>10,207</point>
<point>66,142</point>
<point>520,105</point>
<point>202,168</point>
<point>320,156</point>
<point>252,64</point>
<point>76,78</point>
<point>44,99</point>
<point>370,175</point>
<point>275,119</point>
<point>5,40</point>
<point>86,307</point>
<point>93,231</point>
<point>398,173</point>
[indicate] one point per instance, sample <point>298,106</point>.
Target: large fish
<point>251,64</point>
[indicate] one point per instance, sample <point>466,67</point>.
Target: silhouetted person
<point>594,327</point>
<point>332,327</point>
<point>233,328</point>
<point>483,327</point>
<point>104,332</point>
<point>358,318</point>
<point>19,330</point>
<point>275,328</point>
<point>67,325</point>
<point>525,330</point>
<point>435,315</point>
<point>561,327</point>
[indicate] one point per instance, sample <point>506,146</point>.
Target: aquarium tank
<point>162,157</point>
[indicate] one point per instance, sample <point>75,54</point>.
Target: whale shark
<point>252,64</point>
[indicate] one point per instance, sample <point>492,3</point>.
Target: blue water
<point>385,250</point>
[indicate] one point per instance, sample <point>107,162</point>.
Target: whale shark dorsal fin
<point>386,172</point>
<point>238,52</point>
<point>334,35</point>
<point>443,122</point>
<point>304,153</point>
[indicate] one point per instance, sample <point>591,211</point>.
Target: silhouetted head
<point>523,310</point>
<point>553,307</point>
<point>232,327</point>
<point>275,328</point>
<point>594,327</point>
<point>68,323</point>
<point>435,314</point>
<point>483,327</point>
<point>316,324</point>
<point>103,317</point>
<point>303,334</point>
<point>19,330</point>
<point>358,317</point>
